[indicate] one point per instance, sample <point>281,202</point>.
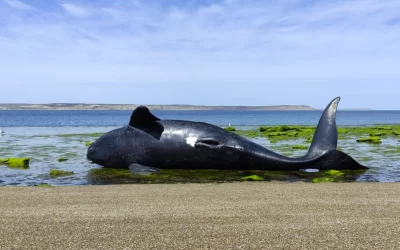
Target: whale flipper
<point>136,168</point>
<point>326,135</point>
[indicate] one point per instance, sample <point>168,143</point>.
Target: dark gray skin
<point>148,144</point>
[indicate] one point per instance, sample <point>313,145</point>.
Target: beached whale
<point>148,144</point>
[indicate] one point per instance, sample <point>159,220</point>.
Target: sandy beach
<point>271,215</point>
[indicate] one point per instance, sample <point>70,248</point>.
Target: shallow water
<point>45,145</point>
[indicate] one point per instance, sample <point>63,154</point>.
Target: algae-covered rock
<point>374,140</point>
<point>377,134</point>
<point>252,178</point>
<point>396,132</point>
<point>230,128</point>
<point>88,143</point>
<point>46,185</point>
<point>273,134</point>
<point>330,176</point>
<point>61,159</point>
<point>309,139</point>
<point>281,128</point>
<point>57,173</point>
<point>342,131</point>
<point>382,128</point>
<point>294,133</point>
<point>323,179</point>
<point>335,173</point>
<point>22,163</point>
<point>299,147</point>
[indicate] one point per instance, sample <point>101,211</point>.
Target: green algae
<point>273,134</point>
<point>88,143</point>
<point>285,132</point>
<point>323,179</point>
<point>248,133</point>
<point>335,173</point>
<point>112,175</point>
<point>299,147</point>
<point>293,133</point>
<point>230,128</point>
<point>173,176</point>
<point>377,134</point>
<point>57,173</point>
<point>373,140</point>
<point>382,128</point>
<point>81,135</point>
<point>20,163</point>
<point>309,139</point>
<point>44,185</point>
<point>61,159</point>
<point>330,176</point>
<point>252,178</point>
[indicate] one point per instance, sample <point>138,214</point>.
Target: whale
<point>148,144</point>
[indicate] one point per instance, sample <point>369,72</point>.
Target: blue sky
<point>201,52</point>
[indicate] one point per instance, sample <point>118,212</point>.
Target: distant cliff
<point>82,106</point>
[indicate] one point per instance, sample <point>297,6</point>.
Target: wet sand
<point>202,216</point>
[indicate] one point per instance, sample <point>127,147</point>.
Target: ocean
<point>91,118</point>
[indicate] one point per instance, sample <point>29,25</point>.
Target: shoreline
<point>272,215</point>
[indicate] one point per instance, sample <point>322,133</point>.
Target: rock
<point>252,178</point>
<point>56,173</point>
<point>230,128</point>
<point>22,163</point>
<point>335,173</point>
<point>377,134</point>
<point>323,179</point>
<point>374,140</point>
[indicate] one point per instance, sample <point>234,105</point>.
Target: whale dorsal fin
<point>142,119</point>
<point>142,116</point>
<point>326,136</point>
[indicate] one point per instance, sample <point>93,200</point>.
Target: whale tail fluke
<point>326,136</point>
<point>338,160</point>
<point>324,144</point>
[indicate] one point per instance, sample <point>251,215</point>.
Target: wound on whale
<point>148,144</point>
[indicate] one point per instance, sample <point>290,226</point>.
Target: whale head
<point>110,150</point>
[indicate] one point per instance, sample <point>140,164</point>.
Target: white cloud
<point>75,10</point>
<point>18,5</point>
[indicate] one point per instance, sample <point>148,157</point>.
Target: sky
<point>204,52</point>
